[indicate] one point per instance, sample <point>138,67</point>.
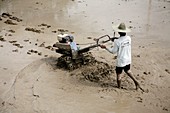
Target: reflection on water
<point>88,17</point>
<point>33,11</point>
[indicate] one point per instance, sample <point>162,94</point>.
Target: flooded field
<point>30,81</point>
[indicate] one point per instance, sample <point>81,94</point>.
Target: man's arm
<point>112,50</point>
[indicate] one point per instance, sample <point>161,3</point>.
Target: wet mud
<point>91,69</point>
<point>10,16</point>
<point>2,39</point>
<point>10,19</point>
<point>97,72</point>
<point>69,78</point>
<point>33,30</point>
<point>46,25</point>
<point>10,22</point>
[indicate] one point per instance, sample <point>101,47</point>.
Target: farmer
<point>122,46</point>
<point>73,46</point>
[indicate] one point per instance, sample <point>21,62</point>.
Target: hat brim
<point>116,29</point>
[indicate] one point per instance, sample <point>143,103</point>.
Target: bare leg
<point>118,80</point>
<point>129,73</point>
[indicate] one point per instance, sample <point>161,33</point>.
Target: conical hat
<point>121,28</point>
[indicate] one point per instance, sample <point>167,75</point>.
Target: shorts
<point>125,68</point>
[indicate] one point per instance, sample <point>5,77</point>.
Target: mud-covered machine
<point>72,59</point>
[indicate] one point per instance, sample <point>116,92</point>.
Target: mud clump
<point>16,50</point>
<point>10,22</point>
<point>42,45</point>
<point>16,18</point>
<point>11,31</point>
<point>10,18</point>
<point>46,25</point>
<point>18,45</point>
<point>12,41</point>
<point>49,47</point>
<point>7,15</point>
<point>89,68</point>
<point>2,39</point>
<point>62,30</point>
<point>54,31</point>
<point>34,52</point>
<point>33,30</point>
<point>97,71</point>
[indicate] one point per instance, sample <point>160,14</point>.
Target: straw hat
<point>121,28</point>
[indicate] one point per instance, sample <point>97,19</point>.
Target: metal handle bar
<point>97,40</point>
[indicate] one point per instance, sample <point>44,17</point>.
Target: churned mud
<point>34,78</point>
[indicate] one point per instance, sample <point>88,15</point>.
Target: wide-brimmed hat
<point>121,28</point>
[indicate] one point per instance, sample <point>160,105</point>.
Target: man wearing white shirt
<point>122,46</point>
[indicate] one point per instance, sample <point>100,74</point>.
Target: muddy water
<point>147,18</point>
<point>93,17</point>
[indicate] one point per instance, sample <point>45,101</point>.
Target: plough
<point>73,59</point>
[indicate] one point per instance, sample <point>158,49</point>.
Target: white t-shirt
<point>122,46</point>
